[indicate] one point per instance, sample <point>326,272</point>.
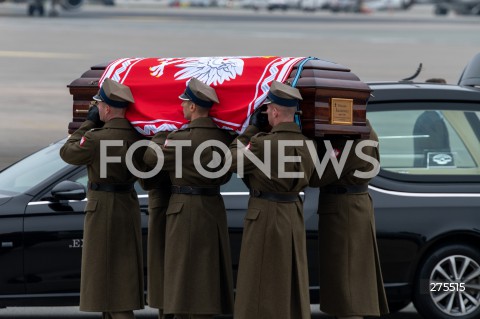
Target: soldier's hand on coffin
<point>94,116</point>
<point>259,118</point>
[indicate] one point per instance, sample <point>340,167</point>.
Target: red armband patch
<point>336,153</point>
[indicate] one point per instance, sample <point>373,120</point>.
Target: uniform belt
<point>275,197</point>
<point>344,189</point>
<point>196,190</point>
<point>163,188</point>
<point>103,187</point>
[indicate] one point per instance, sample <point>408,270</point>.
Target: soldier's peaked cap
<point>114,94</point>
<point>283,95</point>
<point>199,93</point>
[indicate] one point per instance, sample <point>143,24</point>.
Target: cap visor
<point>267,101</point>
<point>184,97</point>
<point>98,98</point>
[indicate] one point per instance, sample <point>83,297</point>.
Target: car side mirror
<point>68,190</point>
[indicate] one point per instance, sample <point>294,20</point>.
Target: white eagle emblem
<point>210,70</point>
<point>157,70</point>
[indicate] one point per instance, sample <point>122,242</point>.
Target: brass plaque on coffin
<point>341,111</point>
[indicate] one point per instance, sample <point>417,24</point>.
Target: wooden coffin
<point>83,89</point>
<point>334,99</point>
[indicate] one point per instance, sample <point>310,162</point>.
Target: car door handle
<point>7,244</point>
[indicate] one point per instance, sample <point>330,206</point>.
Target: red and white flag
<point>241,84</point>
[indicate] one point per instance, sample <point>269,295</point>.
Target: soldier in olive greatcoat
<point>112,267</point>
<point>198,269</point>
<point>351,284</point>
<point>272,278</point>
<point>158,188</point>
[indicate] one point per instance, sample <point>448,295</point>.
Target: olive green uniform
<point>112,267</point>
<point>158,196</point>
<point>198,268</point>
<point>273,271</point>
<point>351,281</point>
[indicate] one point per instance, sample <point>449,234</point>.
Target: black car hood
<point>4,198</point>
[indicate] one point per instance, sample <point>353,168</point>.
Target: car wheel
<point>440,11</point>
<point>448,284</point>
<point>31,10</point>
<point>406,4</point>
<point>41,10</point>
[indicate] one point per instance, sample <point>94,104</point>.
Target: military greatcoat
<point>351,281</point>
<point>198,268</point>
<point>273,271</point>
<point>158,197</point>
<point>112,267</point>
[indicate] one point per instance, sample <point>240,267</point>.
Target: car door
<point>53,234</point>
<point>427,193</point>
<point>12,207</point>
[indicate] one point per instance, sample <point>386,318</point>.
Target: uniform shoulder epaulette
<point>262,134</point>
<point>179,130</point>
<point>174,136</point>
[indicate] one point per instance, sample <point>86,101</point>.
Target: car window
<point>426,141</point>
<point>235,184</point>
<point>32,170</point>
<point>82,178</point>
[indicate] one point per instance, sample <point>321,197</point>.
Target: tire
<point>31,10</point>
<point>440,11</point>
<point>461,264</point>
<point>407,4</point>
<point>41,10</point>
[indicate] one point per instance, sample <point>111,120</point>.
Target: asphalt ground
<point>147,313</point>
